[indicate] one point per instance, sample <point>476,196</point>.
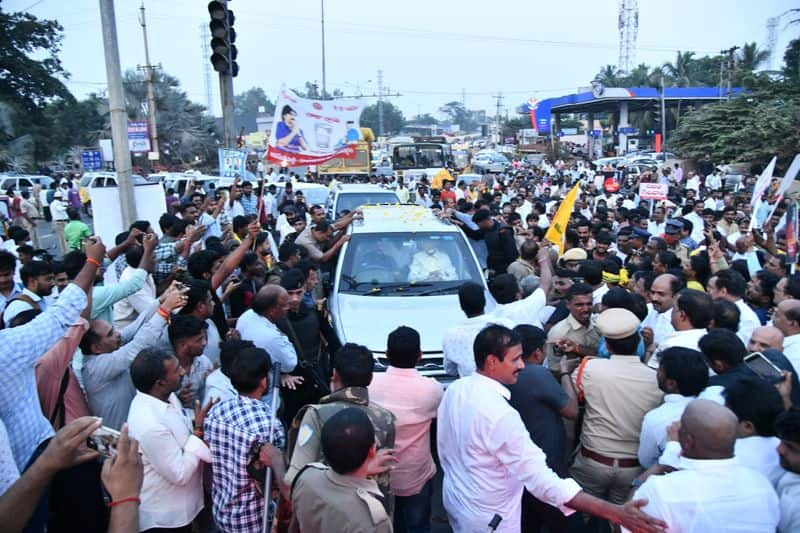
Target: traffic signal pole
<point>118,113</point>
<point>226,100</point>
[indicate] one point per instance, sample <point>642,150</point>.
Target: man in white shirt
<point>488,457</point>
<point>172,453</point>
<point>658,224</point>
<point>657,326</point>
<point>787,428</point>
<point>757,405</point>
<point>690,316</point>
<point>682,375</point>
<point>731,286</point>
<point>257,324</point>
<point>787,319</point>
<point>510,304</point>
<point>126,311</point>
<point>457,341</point>
<point>710,493</point>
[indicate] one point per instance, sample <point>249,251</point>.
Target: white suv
<point>402,266</point>
<point>348,197</point>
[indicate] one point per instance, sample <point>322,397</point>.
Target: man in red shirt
<point>448,194</point>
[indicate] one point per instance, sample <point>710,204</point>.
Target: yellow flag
<point>438,179</point>
<point>558,227</point>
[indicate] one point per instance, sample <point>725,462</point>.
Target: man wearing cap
<point>673,232</point>
<point>572,258</point>
<point>617,392</point>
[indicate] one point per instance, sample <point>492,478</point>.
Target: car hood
<point>368,320</point>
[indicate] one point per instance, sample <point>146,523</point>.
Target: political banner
<point>310,132</point>
<point>653,191</point>
<point>232,162</point>
<point>138,137</point>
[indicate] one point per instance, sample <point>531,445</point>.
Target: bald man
<point>710,492</point>
<point>765,338</point>
<point>257,324</point>
<point>787,319</point>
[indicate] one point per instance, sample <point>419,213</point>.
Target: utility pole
<point>322,13</point>
<point>663,119</point>
<point>380,103</point>
<point>499,104</point>
<point>119,115</point>
<point>730,52</point>
<point>151,99</point>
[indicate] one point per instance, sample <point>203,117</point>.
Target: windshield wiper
<point>442,289</point>
<point>387,288</point>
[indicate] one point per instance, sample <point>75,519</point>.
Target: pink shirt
<point>413,399</point>
<point>50,370</point>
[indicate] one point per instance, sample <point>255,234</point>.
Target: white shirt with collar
<point>711,496</point>
<point>748,321</point>
<point>458,356</point>
<point>525,311</point>
<point>218,386</point>
<point>172,490</point>
<point>791,349</point>
<point>660,323</point>
<point>654,228</point>
<point>598,293</point>
<point>266,335</point>
<point>488,458</point>
<point>17,306</point>
<point>760,453</point>
<point>687,338</point>
<point>653,438</point>
<point>789,495</point>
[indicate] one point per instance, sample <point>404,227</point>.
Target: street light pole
<point>119,115</point>
<point>322,13</point>
<point>151,99</point>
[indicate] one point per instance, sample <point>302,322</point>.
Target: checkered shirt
<point>232,429</point>
<point>167,258</point>
<point>20,347</point>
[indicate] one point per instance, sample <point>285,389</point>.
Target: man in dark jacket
<point>499,238</point>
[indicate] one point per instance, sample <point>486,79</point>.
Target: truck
<point>360,166</point>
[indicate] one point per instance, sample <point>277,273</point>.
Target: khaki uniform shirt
<point>618,393</point>
<point>571,329</point>
<point>326,501</point>
<point>520,269</point>
<point>680,250</point>
<point>304,435</point>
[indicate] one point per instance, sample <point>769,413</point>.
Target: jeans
<point>412,514</point>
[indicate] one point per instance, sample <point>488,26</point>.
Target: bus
<point>426,156</point>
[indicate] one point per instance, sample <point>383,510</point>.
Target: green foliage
<point>425,119</point>
<point>751,128</point>
<point>185,131</point>
<point>393,119</point>
<point>791,59</point>
<point>458,114</point>
<point>245,108</point>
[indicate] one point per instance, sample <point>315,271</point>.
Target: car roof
<point>400,219</point>
<point>358,187</point>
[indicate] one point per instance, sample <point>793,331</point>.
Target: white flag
<point>761,185</point>
<point>791,174</point>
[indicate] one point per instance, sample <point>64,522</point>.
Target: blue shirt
<point>20,347</point>
<point>282,130</point>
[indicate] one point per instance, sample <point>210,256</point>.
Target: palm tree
<point>642,76</point>
<point>610,76</point>
<point>750,57</point>
<point>680,73</point>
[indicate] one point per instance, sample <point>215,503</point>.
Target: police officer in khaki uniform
<point>341,497</point>
<point>352,373</point>
<point>576,335</point>
<point>673,231</point>
<point>618,392</point>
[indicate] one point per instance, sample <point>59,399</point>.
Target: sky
<point>430,51</point>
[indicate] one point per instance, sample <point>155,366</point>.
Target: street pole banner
<point>232,162</point>
<point>310,132</point>
<point>138,137</point>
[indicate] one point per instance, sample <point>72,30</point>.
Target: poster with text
<point>232,163</point>
<point>310,132</point>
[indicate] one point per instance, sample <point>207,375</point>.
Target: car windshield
<point>351,201</point>
<point>412,264</point>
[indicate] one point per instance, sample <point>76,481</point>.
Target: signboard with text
<point>653,191</point>
<point>92,159</point>
<point>138,137</point>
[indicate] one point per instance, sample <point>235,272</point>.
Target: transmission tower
<point>628,29</point>
<point>205,39</point>
<point>772,40</point>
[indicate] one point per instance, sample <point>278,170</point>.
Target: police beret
<point>639,233</point>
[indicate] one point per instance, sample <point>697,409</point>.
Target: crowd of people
<point>637,371</point>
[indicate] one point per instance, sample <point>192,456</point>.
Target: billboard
<point>138,137</point>
<point>310,132</point>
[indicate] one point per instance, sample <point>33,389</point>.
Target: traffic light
<point>657,117</point>
<point>223,51</point>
